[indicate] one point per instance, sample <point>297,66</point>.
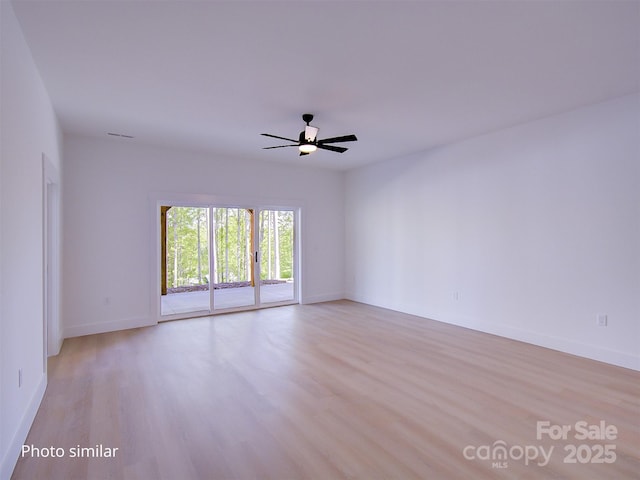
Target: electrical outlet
<point>601,321</point>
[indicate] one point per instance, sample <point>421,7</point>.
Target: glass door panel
<point>185,260</point>
<point>277,256</point>
<point>233,247</point>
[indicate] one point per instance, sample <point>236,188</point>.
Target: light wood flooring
<point>327,391</point>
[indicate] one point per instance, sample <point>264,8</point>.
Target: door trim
<point>52,338</point>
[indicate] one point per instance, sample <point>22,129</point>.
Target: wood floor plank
<point>326,391</point>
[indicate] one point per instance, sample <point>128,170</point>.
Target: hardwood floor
<point>329,391</point>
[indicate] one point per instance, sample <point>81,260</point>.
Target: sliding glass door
<point>185,264</point>
<point>233,261</point>
<point>224,258</point>
<point>277,260</point>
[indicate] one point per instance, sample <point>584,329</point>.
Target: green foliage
<point>232,244</point>
<point>188,245</point>
<point>276,244</point>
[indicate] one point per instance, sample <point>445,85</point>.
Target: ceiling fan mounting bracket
<point>307,117</point>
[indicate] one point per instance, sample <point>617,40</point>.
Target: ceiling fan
<point>307,141</point>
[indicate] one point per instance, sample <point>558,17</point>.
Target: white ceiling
<point>403,76</point>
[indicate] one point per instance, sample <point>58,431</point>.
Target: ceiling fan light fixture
<point>307,147</point>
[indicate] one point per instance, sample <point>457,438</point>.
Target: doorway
<point>220,258</point>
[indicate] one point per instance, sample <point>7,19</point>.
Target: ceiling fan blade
<point>346,138</point>
<point>333,148</point>
<point>281,138</point>
<point>279,146</point>
<point>304,153</point>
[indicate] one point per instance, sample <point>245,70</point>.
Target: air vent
<point>119,135</point>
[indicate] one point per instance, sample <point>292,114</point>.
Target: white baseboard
<point>329,297</point>
<point>593,352</point>
<point>58,347</point>
<point>14,448</point>
<point>104,327</point>
<point>354,297</point>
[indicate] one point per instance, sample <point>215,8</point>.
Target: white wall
<point>28,129</point>
<point>109,246</point>
<point>535,229</point>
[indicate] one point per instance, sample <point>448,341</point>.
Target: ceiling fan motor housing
<point>303,139</point>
